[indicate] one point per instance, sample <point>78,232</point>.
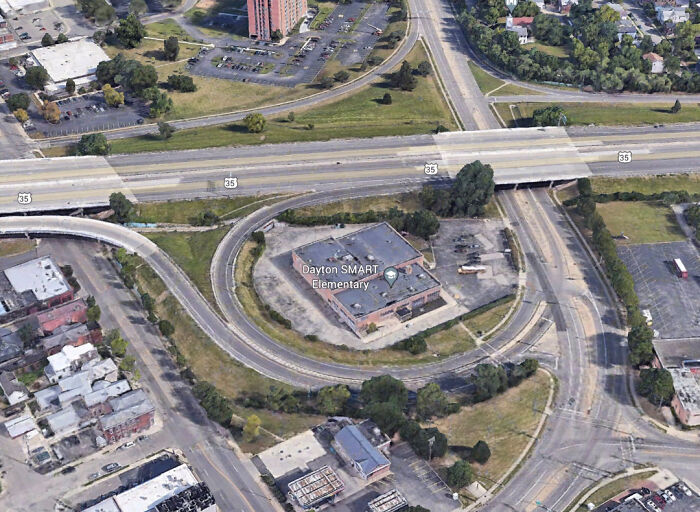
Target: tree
<point>166,328</point>
<point>332,399</point>
<point>341,76</point>
<point>489,380</point>
<point>181,83</point>
<point>384,388</point>
<point>387,415</point>
<point>470,193</point>
<point>422,445</point>
<point>171,48</point>
<point>130,31</point>
<point>19,100</point>
<point>422,223</point>
<point>424,68</point>
<point>552,115</point>
<point>36,77</point>
<point>62,38</point>
<point>47,40</point>
<point>481,452</point>
<point>140,77</point>
<point>70,86</point>
<point>148,302</point>
<point>326,82</point>
<point>276,36</point>
<point>639,340</point>
<point>123,208</point>
<point>138,6</point>
<point>290,116</point>
<point>51,112</point>
<point>584,186</point>
<point>386,99</point>
<point>403,78</point>
<point>21,115</point>
<point>657,385</point>
<point>251,430</point>
<point>118,345</point>
<point>255,122</point>
<point>113,98</point>
<point>431,401</point>
<point>166,130</point>
<point>460,474</point>
<point>94,313</point>
<point>676,107</point>
<point>127,364</point>
<point>672,64</point>
<point>93,144</point>
<point>161,103</point>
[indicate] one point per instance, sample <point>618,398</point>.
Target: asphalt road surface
<point>517,156</point>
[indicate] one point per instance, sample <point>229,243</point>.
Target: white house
<point>626,28</point>
<point>671,15</point>
<point>14,390</point>
<point>69,359</point>
<point>657,62</point>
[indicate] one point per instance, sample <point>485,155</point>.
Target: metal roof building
<point>356,448</point>
<point>74,59</point>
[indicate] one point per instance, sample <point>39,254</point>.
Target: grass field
<point>10,247</point>
<point>608,114</point>
<point>324,10</point>
<point>486,321</point>
<point>648,184</point>
<point>485,81</point>
<point>167,28</point>
<point>151,52</point>
<point>193,252</point>
<point>406,201</point>
<point>356,115</point>
<point>210,363</point>
<point>506,422</point>
<point>180,212</point>
<point>557,51</point>
<point>514,90</point>
<point>441,344</point>
<point>615,487</point>
<point>642,222</point>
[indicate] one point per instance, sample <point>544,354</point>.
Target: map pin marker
<point>391,275</point>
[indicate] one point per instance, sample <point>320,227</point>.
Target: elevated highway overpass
<point>524,155</point>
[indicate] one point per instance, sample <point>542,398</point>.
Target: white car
<point>685,489</point>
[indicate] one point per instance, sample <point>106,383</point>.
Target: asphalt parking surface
<point>674,302</point>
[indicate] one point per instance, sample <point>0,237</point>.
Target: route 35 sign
<point>24,198</point>
<point>431,169</point>
<point>230,182</point>
<point>624,157</point>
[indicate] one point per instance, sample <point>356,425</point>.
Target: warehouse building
<point>74,59</point>
<point>347,273</point>
<point>316,488</point>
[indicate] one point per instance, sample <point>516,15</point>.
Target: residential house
<point>671,15</point>
<point>519,25</point>
<point>74,312</point>
<point>72,334</point>
<point>356,449</point>
<point>14,390</point>
<point>618,9</point>
<point>626,28</point>
<point>68,360</point>
<point>132,412</point>
<point>67,420</point>
<point>657,62</point>
<point>565,5</point>
<point>20,425</point>
<point>97,401</point>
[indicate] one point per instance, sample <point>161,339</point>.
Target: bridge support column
<point>515,187</point>
<point>551,183</point>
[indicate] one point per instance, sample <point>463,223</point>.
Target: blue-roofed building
<point>355,448</point>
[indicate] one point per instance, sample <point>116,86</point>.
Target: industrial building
<point>74,59</point>
<point>32,286</point>
<point>388,502</point>
<point>352,445</point>
<point>347,273</point>
<point>316,488</point>
<point>174,490</point>
<point>686,402</point>
<point>267,16</point>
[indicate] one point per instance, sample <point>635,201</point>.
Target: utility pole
<point>430,448</point>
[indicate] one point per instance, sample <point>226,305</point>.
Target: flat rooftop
<point>292,454</point>
<point>315,487</point>
<point>380,295</point>
<point>41,276</point>
<point>378,244</point>
<point>146,496</point>
<point>687,386</point>
<point>387,502</point>
<point>678,353</point>
<point>73,59</point>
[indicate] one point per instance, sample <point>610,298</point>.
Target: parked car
<point>68,470</point>
<point>112,466</point>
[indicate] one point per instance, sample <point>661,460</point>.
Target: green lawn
<point>167,28</point>
<point>180,212</point>
<point>10,246</point>
<point>151,52</point>
<point>514,90</point>
<point>324,10</point>
<point>557,51</point>
<point>642,222</point>
<point>648,184</point>
<point>506,422</point>
<point>406,201</point>
<point>608,113</point>
<point>485,81</point>
<point>193,252</point>
<point>486,321</point>
<point>355,115</point>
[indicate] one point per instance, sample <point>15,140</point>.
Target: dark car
<point>68,470</point>
<point>112,466</point>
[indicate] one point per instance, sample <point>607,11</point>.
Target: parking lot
<point>348,34</point>
<point>31,27</point>
<point>80,114</point>
<point>473,242</point>
<point>75,447</point>
<point>674,303</point>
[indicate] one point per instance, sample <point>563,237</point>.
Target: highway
<point>517,156</point>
